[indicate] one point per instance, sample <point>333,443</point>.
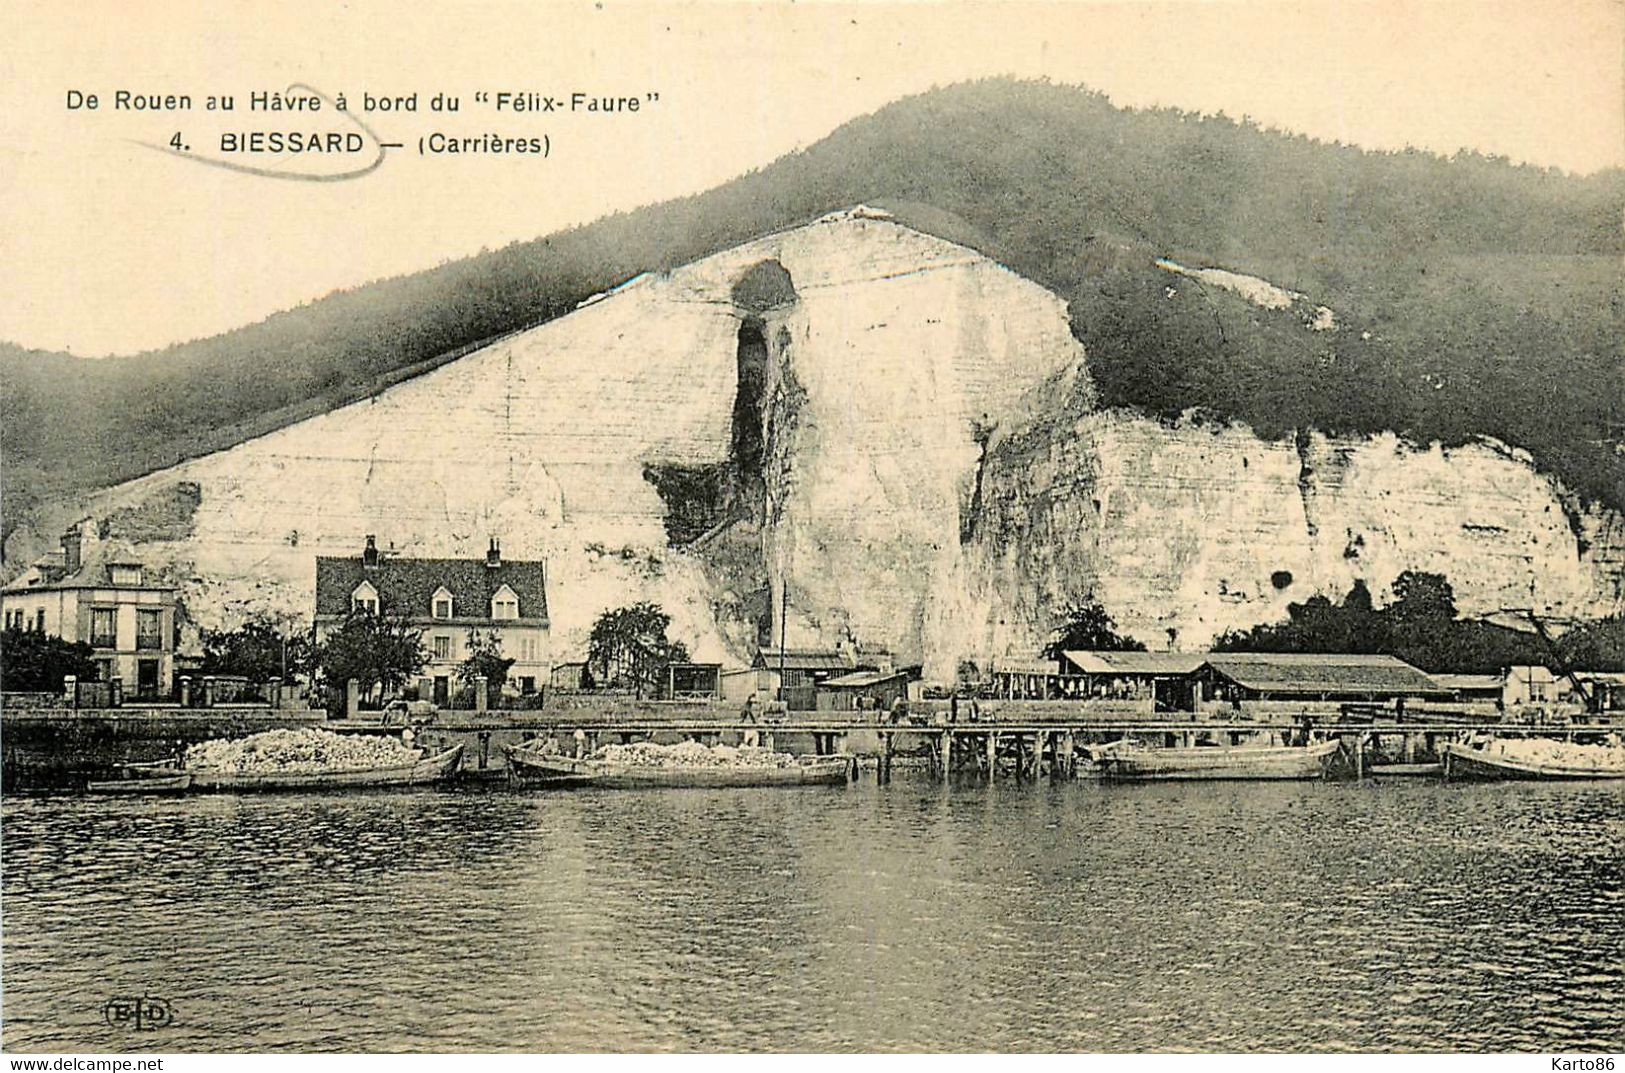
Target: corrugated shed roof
<point>407,586</point>
<point>859,679</point>
<point>1171,663</point>
<point>1468,681</point>
<point>803,659</point>
<point>1295,673</point>
<point>1023,665</point>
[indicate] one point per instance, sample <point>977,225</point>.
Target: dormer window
<point>364,599</point>
<point>125,573</point>
<point>440,604</point>
<point>504,604</point>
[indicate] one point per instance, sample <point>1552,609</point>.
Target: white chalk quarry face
<point>1202,530</point>
<point>894,350</point>
<point>898,340</point>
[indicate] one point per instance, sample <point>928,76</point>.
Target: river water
<point>1319,916</point>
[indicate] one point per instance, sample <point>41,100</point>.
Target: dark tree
<point>259,649</point>
<point>1421,597</point>
<point>1088,628</point>
<point>32,662</point>
<point>378,651</point>
<point>629,647</point>
<point>485,660</point>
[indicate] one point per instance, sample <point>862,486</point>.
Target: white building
<point>448,599</point>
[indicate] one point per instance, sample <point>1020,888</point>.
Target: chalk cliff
<point>885,349</point>
<point>1185,532</point>
<point>891,433</point>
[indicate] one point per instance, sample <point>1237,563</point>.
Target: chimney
<point>73,550</point>
<point>493,555</point>
<point>369,556</point>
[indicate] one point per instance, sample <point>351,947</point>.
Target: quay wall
<point>65,747</point>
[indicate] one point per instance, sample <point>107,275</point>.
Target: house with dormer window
<point>99,594</point>
<point>446,599</point>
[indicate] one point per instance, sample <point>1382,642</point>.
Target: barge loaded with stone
<point>1126,761</point>
<point>288,760</point>
<point>1533,760</point>
<point>646,765</point>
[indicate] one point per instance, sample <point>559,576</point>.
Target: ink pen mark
<point>272,173</point>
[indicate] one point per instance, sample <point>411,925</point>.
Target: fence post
<point>481,700</point>
<point>352,698</point>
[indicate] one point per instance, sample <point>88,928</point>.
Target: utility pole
<point>784,606</point>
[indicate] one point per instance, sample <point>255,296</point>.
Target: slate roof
<point>1310,674</point>
<point>407,586</point>
<point>1166,663</point>
<point>49,572</point>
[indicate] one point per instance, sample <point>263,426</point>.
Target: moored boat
<point>1120,761</point>
<point>430,769</point>
<point>142,785</point>
<point>1467,762</point>
<point>1407,771</point>
<point>532,763</point>
<point>420,772</point>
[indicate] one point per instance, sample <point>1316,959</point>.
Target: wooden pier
<point>1025,750</point>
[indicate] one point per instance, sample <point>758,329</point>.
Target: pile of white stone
<point>1564,753</point>
<point>307,750</point>
<point>692,754</point>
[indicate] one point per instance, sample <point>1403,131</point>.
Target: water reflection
<point>1412,916</point>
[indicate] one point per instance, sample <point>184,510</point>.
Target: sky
<point>112,247</point>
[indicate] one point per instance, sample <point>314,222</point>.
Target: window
<point>149,628</point>
<point>504,604</point>
<point>442,648</point>
<point>39,620</point>
<point>103,627</point>
<point>527,685</point>
<point>364,599</point>
<point>441,603</point>
<point>125,573</point>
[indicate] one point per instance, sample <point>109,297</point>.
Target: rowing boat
<point>1120,761</point>
<point>1466,762</point>
<point>153,784</point>
<point>559,770</point>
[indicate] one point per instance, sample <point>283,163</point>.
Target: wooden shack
<point>1235,677</point>
<point>862,690</point>
<point>1167,679</point>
